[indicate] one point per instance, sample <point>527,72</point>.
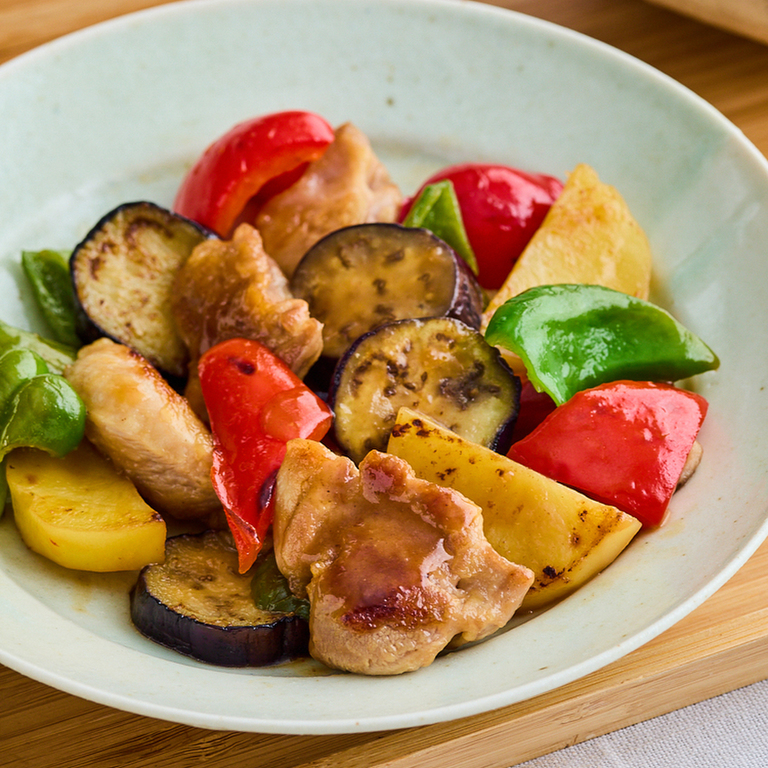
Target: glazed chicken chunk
<point>347,185</point>
<point>396,568</point>
<point>146,428</point>
<point>231,288</point>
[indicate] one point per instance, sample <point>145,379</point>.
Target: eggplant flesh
<point>198,604</point>
<point>363,276</point>
<point>438,366</point>
<point>123,273</point>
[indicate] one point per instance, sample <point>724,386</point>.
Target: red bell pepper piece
<point>534,408</point>
<point>269,151</point>
<point>501,208</point>
<point>623,443</point>
<point>256,404</point>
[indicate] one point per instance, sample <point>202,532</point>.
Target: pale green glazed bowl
<point>117,112</point>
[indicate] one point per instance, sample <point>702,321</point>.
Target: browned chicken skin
<point>347,185</point>
<point>146,428</point>
<point>231,288</point>
<point>396,568</point>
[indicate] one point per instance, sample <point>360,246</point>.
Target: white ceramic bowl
<point>117,112</point>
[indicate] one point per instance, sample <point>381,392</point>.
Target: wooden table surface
<point>721,646</point>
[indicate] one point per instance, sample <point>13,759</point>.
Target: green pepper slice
<point>48,275</point>
<point>437,209</point>
<point>270,589</point>
<point>57,356</point>
<point>38,409</point>
<point>573,337</point>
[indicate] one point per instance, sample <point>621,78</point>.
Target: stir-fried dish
<point>386,424</point>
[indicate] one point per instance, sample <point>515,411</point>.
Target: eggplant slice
<point>363,276</point>
<point>123,273</point>
<point>438,366</point>
<point>197,603</point>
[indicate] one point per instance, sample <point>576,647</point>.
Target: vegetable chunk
<point>197,603</point>
<point>38,409</point>
<point>256,405</point>
<point>440,366</point>
<point>501,208</point>
<point>572,337</point>
<point>123,273</point>
<point>561,535</point>
<point>81,513</point>
<point>625,443</point>
<point>246,159</point>
<point>361,277</point>
<point>588,236</point>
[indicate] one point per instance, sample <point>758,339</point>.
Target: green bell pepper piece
<point>20,365</point>
<point>437,209</point>
<point>573,337</point>
<point>48,275</point>
<point>57,356</point>
<point>38,409</point>
<point>270,589</point>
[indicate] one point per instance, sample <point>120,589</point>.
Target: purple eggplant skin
<point>439,366</point>
<point>259,646</point>
<point>362,276</point>
<point>198,603</point>
<point>318,378</point>
<point>122,281</point>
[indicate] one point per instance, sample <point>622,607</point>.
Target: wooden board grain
<point>25,24</point>
<point>720,646</point>
<point>746,17</point>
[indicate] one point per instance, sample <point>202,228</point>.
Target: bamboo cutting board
<point>720,646</point>
<point>747,17</point>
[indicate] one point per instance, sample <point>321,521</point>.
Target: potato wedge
<point>588,236</point>
<point>80,513</point>
<point>561,535</point>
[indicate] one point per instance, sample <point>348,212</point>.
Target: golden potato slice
<point>561,535</point>
<point>588,236</point>
<point>80,513</point>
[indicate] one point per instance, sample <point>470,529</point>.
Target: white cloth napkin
<point>729,731</point>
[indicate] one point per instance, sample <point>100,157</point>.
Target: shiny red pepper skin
<point>255,404</point>
<point>623,443</point>
<point>240,163</point>
<point>534,408</point>
<point>501,208</point>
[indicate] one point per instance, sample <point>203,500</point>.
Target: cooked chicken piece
<point>691,463</point>
<point>346,185</point>
<point>395,568</point>
<point>146,428</point>
<point>231,288</point>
